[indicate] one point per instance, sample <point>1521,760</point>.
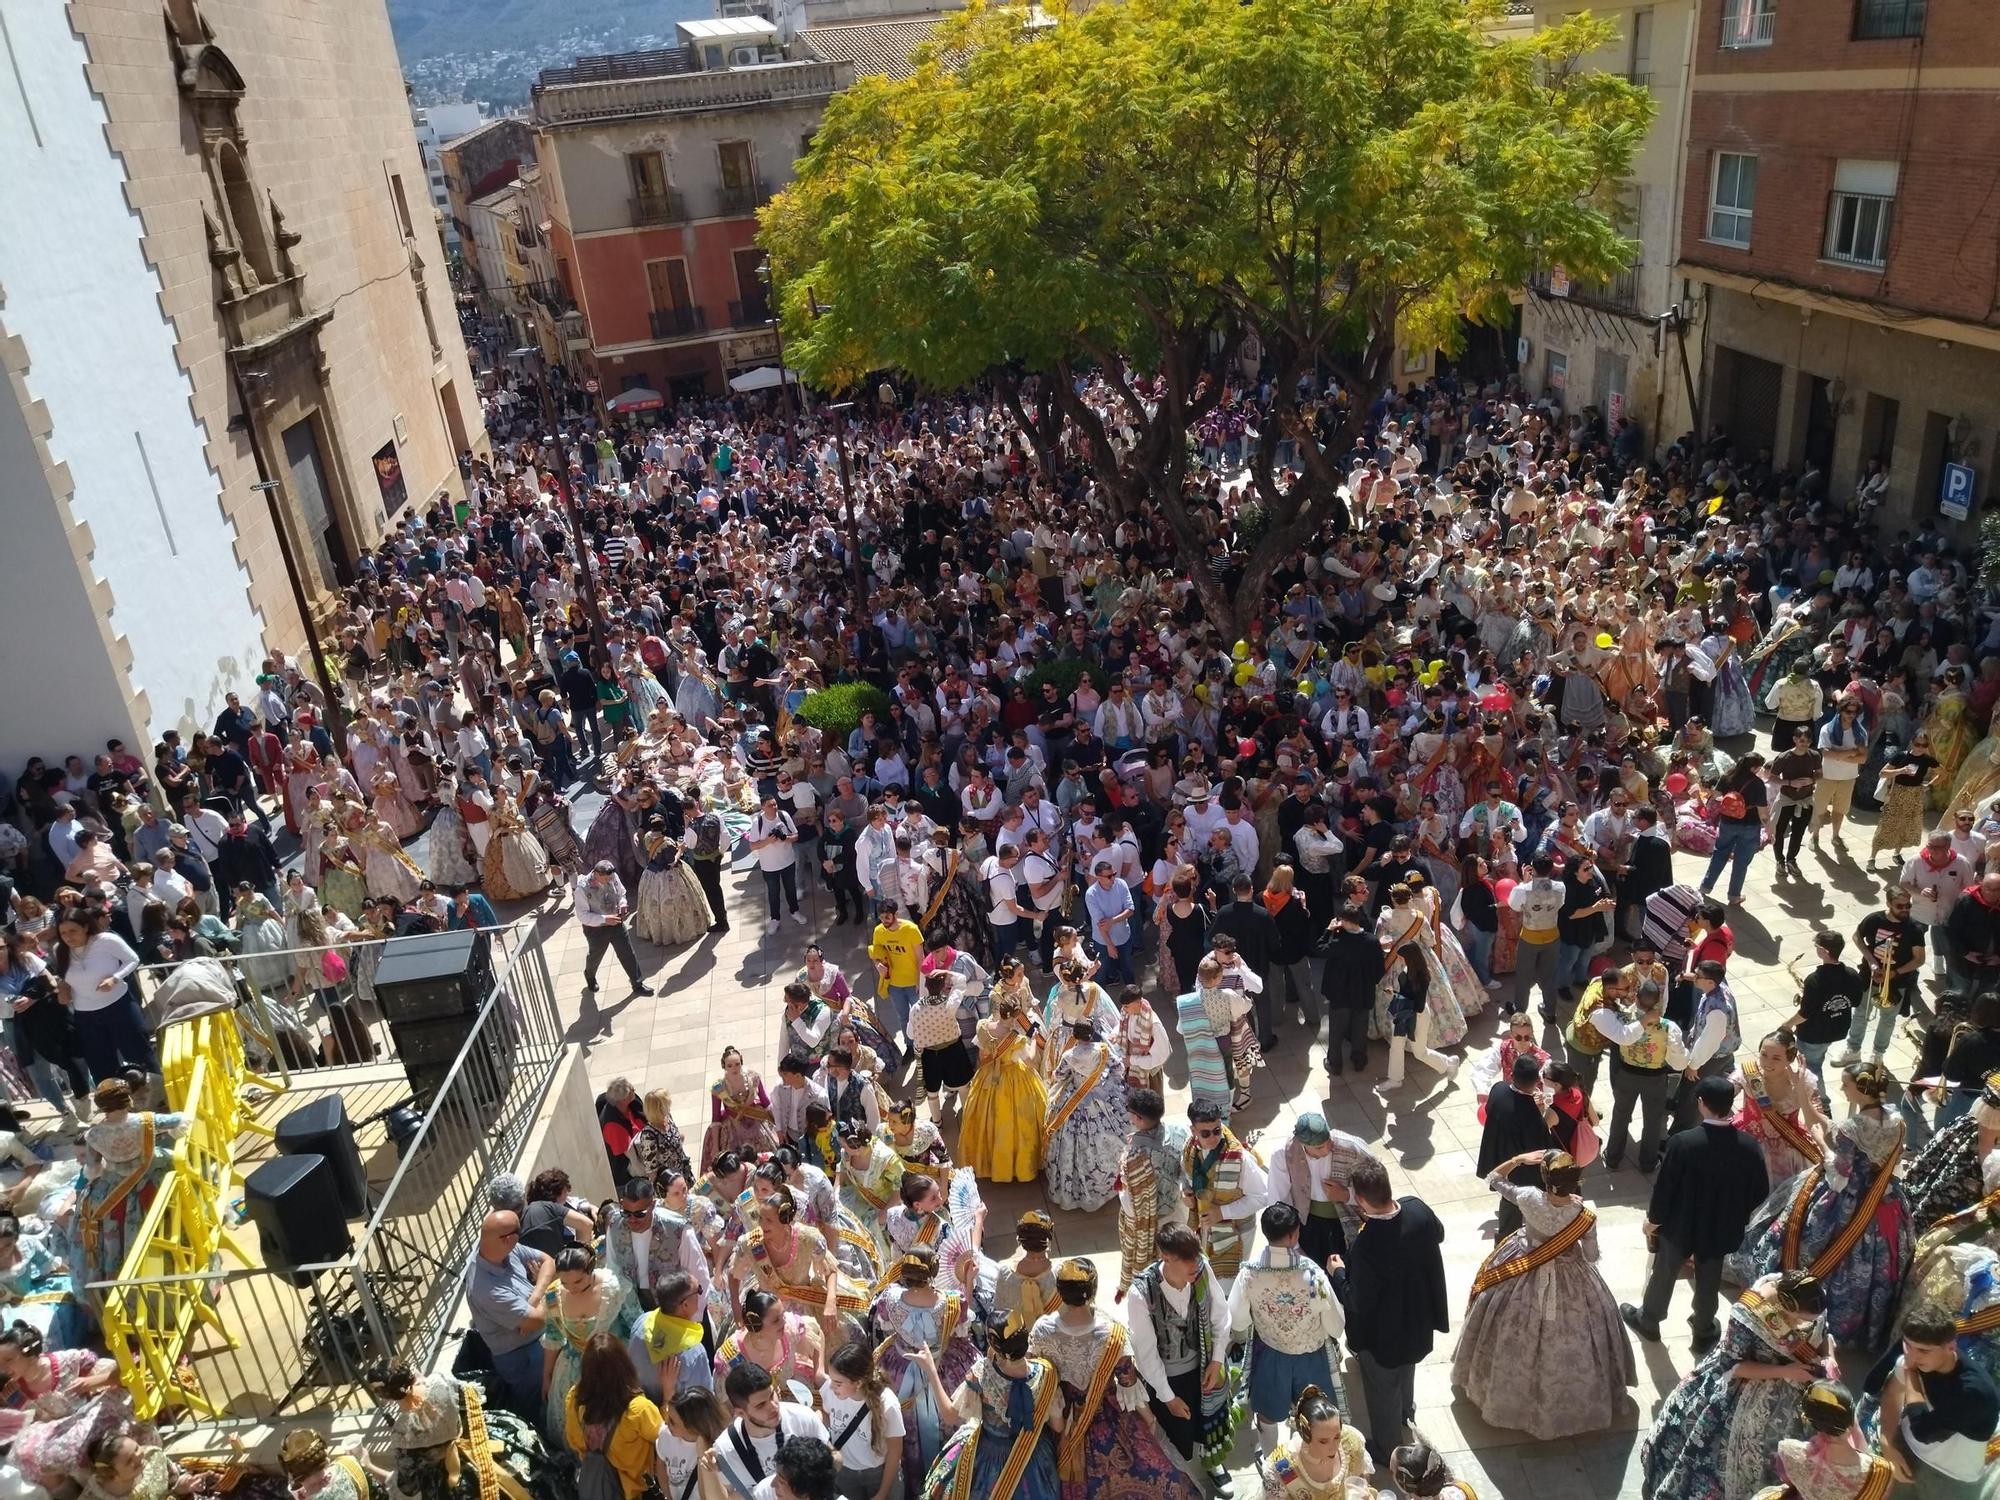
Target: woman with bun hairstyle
<point>1318,1455</point>
<point>1777,1106</point>
<point>1543,1349</point>
<point>1012,1411</point>
<point>1421,1473</point>
<point>1717,1433</point>
<point>1829,1464</point>
<point>1847,1221</point>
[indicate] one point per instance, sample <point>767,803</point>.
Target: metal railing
<point>654,89</point>
<point>741,198</point>
<point>303,1337</point>
<point>677,322</point>
<point>1748,23</point>
<point>664,207</point>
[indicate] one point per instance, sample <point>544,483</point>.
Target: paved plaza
<point>725,990</point>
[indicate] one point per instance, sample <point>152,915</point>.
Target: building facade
<point>654,165</point>
<point>480,163</point>
<point>1617,345</point>
<point>1836,217</point>
<point>236,323</point>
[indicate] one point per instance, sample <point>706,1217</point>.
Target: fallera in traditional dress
<point>1087,1124</point>
<point>1856,1204</point>
<point>1007,1453</point>
<point>449,852</point>
<point>515,866</point>
<point>124,1163</point>
<point>614,835</point>
<point>1285,1477</point>
<point>1543,1350</point>
<point>1109,1448</point>
<point>439,1452</point>
<point>1831,1468</point>
<point>1944,1177</point>
<point>567,1336</point>
<point>739,1122</point>
<point>393,808</point>
<point>1788,1145</point>
<point>671,908</point>
<point>1716,1436</point>
<point>1006,1104</point>
<point>944,1329</point>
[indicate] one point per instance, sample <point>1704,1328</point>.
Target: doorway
<point>306,483</point>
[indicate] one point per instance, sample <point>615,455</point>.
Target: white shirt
<point>1139,1327</point>
<point>793,1421</point>
<point>858,1453</point>
<point>1243,839</point>
<point>779,853</point>
<point>1616,1029</point>
<point>1005,891</point>
<point>1933,892</point>
<point>105,956</point>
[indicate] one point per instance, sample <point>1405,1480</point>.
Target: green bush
<point>1065,675</point>
<point>836,711</point>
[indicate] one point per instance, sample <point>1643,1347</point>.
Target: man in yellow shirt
<point>896,948</point>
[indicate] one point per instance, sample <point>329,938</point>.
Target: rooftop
<point>882,48</point>
<point>642,84</point>
<point>660,64</point>
<point>727,29</point>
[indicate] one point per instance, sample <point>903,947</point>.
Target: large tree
<point>1135,190</point>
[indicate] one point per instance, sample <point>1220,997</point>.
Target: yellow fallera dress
<point>1005,1106</point>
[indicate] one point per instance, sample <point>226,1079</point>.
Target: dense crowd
<point>1098,841</point>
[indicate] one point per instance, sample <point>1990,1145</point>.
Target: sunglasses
<point>1210,1134</point>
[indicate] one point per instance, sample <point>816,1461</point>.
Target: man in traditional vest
<point>1714,1037</point>
<point>1310,1176</point>
<point>1609,990</point>
<point>1177,1313</point>
<point>646,1243</point>
<point>1225,1186</point>
<point>1645,1071</point>
<point>1149,1183</point>
<point>1141,1043</point>
<point>1284,1301</point>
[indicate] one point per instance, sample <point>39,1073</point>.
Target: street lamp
<point>336,725</point>
<point>839,410</point>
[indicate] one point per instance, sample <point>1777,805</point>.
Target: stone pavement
<point>725,990</point>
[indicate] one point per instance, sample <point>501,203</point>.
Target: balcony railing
<point>749,314</point>
<point>1619,294</point>
<point>678,322</point>
<point>559,100</point>
<point>1748,23</point>
<point>664,207</point>
<point>743,198</point>
<point>553,295</point>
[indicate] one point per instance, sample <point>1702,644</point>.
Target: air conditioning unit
<point>744,57</point>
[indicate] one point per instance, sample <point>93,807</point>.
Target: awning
<point>639,398</point>
<point>763,378</point>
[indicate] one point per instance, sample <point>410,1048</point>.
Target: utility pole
<point>839,413</point>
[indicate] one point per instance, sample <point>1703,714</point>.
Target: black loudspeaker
<point>482,1081</point>
<point>436,975</point>
<point>295,1203</point>
<point>321,1129</point>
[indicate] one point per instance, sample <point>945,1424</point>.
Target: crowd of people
<point>1099,845</point>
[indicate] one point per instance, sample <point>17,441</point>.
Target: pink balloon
<point>1676,783</point>
<point>1503,888</point>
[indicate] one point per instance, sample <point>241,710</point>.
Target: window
<point>401,205</point>
<point>1880,20</point>
<point>1731,196</point>
<point>1639,61</point>
<point>1748,23</point>
<point>1857,215</point>
<point>649,174</point>
<point>1555,366</point>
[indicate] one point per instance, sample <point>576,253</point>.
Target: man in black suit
<point>1392,1285</point>
<point>1245,919</point>
<point>1649,867</point>
<point>1711,1179</point>
<point>1514,1126</point>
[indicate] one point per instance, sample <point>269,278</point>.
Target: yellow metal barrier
<point>162,1297</point>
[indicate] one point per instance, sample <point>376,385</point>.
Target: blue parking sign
<point>1956,489</point>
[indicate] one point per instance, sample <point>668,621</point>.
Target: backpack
<point>1732,805</point>
<point>595,1478</point>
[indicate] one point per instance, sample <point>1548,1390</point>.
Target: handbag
<point>332,967</point>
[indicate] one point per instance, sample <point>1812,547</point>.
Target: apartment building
<point>1838,217</point>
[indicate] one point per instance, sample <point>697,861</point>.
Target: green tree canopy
<point>1139,188</point>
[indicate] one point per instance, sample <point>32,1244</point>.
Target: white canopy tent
<point>763,378</point>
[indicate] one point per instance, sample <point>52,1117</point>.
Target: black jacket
<point>1514,1124</point>
<point>1255,933</point>
<point>1393,1286</point>
<point>1711,1180</point>
<point>1353,966</point>
<point>1294,928</point>
<point>1651,869</point>
<point>245,858</point>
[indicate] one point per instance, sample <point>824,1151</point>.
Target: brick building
<point>1839,217</point>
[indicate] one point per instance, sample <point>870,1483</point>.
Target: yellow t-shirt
<point>630,1448</point>
<point>900,948</point>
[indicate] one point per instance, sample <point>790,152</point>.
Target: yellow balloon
<point>1305,690</point>
<point>1604,641</point>
<point>1240,650</point>
<point>1437,667</point>
<point>1244,672</point>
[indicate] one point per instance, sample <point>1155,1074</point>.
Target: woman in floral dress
<point>449,853</point>
<point>388,870</point>
<point>1006,1104</point>
<point>658,1149</point>
<point>1778,1107</point>
<point>1847,1221</point>
<point>392,807</point>
<point>914,1313</point>
<point>1073,1000</point>
<point>1320,1456</point>
<point>1012,1409</point>
<point>1833,1463</point>
<point>829,986</point>
<point>1406,919</point>
<point>1110,1449</point>
<point>1540,1290</point>
<point>1446,953</point>
<point>586,1300</point>
<point>1949,730</point>
<point>515,866</point>
<point>1084,1142</point>
<point>43,1390</point>
<point>127,1153</point>
<point>1945,1177</point>
<point>671,908</point>
<point>739,1114</point>
<point>773,1337</point>
<point>447,1444</point>
<point>1717,1433</point>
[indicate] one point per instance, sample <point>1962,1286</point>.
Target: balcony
<point>750,314</point>
<point>678,322</point>
<point>743,198</point>
<point>664,207</point>
<point>1748,23</point>
<point>552,295</point>
<point>1621,294</point>
<point>572,97</point>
